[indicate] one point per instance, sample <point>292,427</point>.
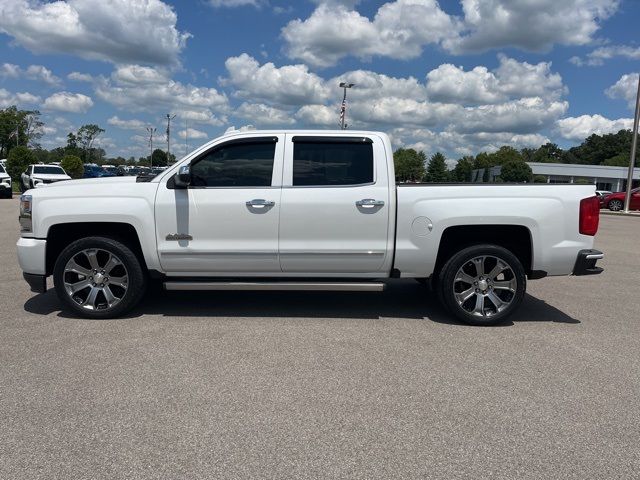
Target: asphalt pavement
<point>325,385</point>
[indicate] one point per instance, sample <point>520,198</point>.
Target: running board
<point>274,285</point>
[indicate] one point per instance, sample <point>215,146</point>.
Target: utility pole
<point>169,118</point>
<point>343,107</point>
<point>634,146</point>
<point>152,131</point>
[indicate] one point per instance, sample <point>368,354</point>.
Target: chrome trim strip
<point>595,256</point>
<point>283,286</point>
<point>334,253</point>
<point>216,254</point>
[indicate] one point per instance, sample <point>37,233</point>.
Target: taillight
<point>589,215</point>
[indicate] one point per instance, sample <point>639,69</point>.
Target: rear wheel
<point>99,277</point>
<point>482,285</point>
<point>616,205</point>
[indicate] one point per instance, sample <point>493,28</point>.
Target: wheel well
<point>515,238</point>
<point>63,234</point>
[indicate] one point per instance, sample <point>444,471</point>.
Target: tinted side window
<point>237,165</point>
<point>332,163</point>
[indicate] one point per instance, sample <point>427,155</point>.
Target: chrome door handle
<point>259,202</point>
<point>369,202</point>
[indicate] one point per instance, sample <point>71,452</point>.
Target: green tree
<point>539,179</point>
<point>409,165</point>
<point>516,171</point>
<point>596,149</point>
<point>159,158</point>
<point>86,136</point>
<point>463,170</point>
<point>437,171</point>
<point>481,165</point>
<point>620,160</point>
<point>503,155</point>
<point>18,160</point>
<point>18,128</point>
<point>547,153</point>
<point>73,166</point>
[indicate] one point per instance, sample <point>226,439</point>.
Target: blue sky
<point>456,76</point>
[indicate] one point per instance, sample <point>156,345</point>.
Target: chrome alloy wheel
<point>95,279</point>
<point>485,286</point>
<point>616,205</point>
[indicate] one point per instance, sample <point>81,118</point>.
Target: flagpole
<point>634,145</point>
<point>343,107</point>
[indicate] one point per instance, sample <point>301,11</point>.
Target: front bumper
<point>586,262</point>
<point>32,255</point>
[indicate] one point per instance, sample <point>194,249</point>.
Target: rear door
<point>334,217</point>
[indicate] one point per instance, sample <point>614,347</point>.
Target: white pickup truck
<point>301,210</point>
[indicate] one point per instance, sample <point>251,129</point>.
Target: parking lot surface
<point>325,385</point>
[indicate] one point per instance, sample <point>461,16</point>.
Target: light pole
<point>343,107</point>
<point>169,118</point>
<point>152,131</point>
<point>634,145</point>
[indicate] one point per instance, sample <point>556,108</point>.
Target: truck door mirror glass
<point>183,177</point>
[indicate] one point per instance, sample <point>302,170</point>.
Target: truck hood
<point>50,176</point>
<point>91,188</point>
<point>93,181</point>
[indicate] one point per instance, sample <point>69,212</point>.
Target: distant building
<point>603,177</point>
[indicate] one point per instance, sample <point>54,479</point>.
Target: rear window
<point>325,162</point>
<point>48,170</point>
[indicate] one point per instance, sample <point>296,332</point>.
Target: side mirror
<point>183,177</point>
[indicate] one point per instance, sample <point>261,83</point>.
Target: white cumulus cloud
<point>132,124</point>
<point>529,25</point>
<point>138,88</point>
<point>598,56</point>
<point>288,85</point>
<point>192,133</point>
<point>626,88</point>
<point>400,29</point>
<point>32,72</point>
<point>579,128</point>
<point>263,115</point>
<point>19,99</point>
<point>68,102</point>
<point>119,31</point>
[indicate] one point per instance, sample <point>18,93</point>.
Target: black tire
<point>128,262</point>
<point>486,310</point>
<point>616,205</point>
<point>22,190</point>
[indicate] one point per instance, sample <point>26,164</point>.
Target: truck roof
<point>304,132</point>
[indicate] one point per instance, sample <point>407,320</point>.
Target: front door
<point>334,216</point>
<point>226,222</point>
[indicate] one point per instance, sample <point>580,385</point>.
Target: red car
<point>615,201</point>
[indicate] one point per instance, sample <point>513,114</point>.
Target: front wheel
<point>483,284</point>
<point>99,277</point>
<point>616,205</point>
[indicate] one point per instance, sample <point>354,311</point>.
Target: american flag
<point>343,109</point>
<point>14,133</point>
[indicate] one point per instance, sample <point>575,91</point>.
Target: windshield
<point>48,170</point>
<point>2,170</point>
